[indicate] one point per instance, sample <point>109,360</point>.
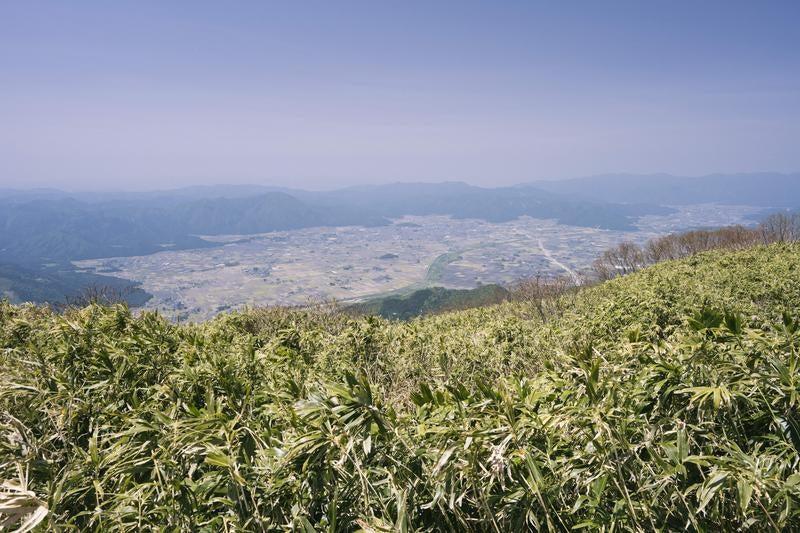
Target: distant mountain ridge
<point>501,204</point>
<point>42,227</point>
<point>273,211</point>
<point>48,225</point>
<point>66,229</point>
<point>768,189</point>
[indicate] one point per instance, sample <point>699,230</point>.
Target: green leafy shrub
<point>663,400</point>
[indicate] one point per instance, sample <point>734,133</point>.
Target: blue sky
<point>137,95</point>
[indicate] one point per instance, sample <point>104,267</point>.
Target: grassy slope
<point>643,404</point>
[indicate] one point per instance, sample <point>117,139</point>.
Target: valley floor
<point>353,263</point>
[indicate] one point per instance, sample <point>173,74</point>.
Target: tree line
<point>628,257</point>
<point>550,296</point>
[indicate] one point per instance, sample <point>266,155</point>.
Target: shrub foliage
<point>667,399</point>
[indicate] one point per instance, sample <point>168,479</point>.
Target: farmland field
<point>351,263</point>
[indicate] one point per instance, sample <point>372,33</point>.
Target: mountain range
<point>53,226</point>
<point>43,230</point>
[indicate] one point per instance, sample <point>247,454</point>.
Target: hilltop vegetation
<point>627,257</point>
<point>663,399</point>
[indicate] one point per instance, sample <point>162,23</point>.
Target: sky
<point>142,95</point>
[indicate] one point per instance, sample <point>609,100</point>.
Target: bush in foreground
<point>644,407</point>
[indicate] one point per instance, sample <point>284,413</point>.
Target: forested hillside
<point>60,285</point>
<point>664,399</point>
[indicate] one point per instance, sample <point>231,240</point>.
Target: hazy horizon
<point>151,95</point>
<point>335,186</point>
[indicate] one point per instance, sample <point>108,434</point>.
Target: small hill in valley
<point>430,300</point>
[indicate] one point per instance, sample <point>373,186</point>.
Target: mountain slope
<point>663,400</point>
<point>67,229</point>
<point>273,211</point>
<point>60,230</point>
